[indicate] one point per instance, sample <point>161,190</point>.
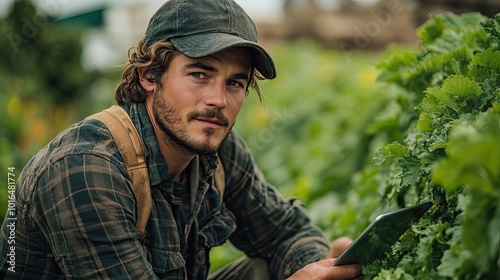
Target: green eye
<point>198,75</point>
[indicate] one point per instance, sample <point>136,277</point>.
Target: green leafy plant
<point>432,130</point>
<point>449,98</point>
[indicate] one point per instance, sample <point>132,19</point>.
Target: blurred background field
<point>57,66</point>
<point>324,119</point>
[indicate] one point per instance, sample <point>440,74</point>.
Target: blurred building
<point>115,26</point>
<point>364,24</point>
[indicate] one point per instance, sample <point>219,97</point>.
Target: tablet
<point>381,234</point>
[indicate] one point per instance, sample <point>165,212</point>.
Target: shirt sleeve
<point>85,208</point>
<point>268,225</point>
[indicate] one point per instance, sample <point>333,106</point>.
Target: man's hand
<point>323,269</point>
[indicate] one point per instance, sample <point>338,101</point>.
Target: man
<point>182,88</point>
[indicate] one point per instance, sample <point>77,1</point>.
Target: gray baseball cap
<point>199,28</point>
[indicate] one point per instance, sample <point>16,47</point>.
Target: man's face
<point>197,104</point>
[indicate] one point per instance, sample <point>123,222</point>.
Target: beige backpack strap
<point>220,179</point>
<point>127,140</point>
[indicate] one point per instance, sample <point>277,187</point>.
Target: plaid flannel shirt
<point>76,213</point>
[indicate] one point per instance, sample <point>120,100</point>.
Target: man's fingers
<point>323,269</point>
<point>326,262</point>
<point>350,271</point>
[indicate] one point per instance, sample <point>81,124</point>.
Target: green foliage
<point>313,132</point>
<point>449,95</point>
<point>43,57</point>
<point>492,26</point>
<point>451,81</point>
<point>478,170</point>
<point>349,147</point>
<point>43,87</point>
<point>308,138</point>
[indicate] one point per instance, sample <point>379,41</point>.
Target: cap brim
<point>205,44</point>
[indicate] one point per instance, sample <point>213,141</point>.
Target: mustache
<point>209,114</point>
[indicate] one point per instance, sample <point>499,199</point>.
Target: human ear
<point>147,80</point>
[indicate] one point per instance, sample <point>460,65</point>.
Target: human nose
<point>216,96</point>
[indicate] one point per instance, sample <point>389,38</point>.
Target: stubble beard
<point>171,125</point>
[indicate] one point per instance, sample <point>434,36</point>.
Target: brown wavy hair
<point>155,59</point>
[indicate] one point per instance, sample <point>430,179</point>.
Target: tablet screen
<point>381,234</point>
